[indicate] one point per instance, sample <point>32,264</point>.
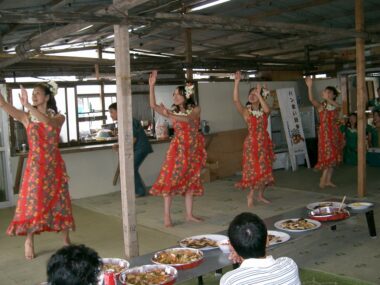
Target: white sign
<point>291,119</point>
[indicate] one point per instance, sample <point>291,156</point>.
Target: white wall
<point>91,173</point>
<point>217,107</point>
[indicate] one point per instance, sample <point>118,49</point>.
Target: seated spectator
<point>74,265</point>
<point>248,238</point>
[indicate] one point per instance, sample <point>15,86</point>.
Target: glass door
<point>6,195</point>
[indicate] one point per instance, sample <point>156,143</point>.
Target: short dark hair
<point>248,235</point>
<point>74,265</point>
<point>113,106</point>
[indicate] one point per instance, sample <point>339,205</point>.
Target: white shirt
<point>263,271</point>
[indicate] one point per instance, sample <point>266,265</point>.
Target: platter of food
<point>360,205</point>
<point>325,214</point>
<point>316,205</point>
<point>116,264</point>
<point>276,237</point>
<point>149,275</point>
<point>180,258</point>
<point>297,225</point>
<point>203,242</point>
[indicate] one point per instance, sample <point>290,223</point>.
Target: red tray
<point>316,214</point>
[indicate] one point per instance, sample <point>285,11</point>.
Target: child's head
<point>248,236</point>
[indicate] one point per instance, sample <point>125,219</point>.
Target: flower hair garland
<point>53,87</point>
<point>189,90</point>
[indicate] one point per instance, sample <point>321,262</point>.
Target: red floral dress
<point>185,159</point>
<point>330,139</point>
<point>44,202</point>
<point>257,155</point>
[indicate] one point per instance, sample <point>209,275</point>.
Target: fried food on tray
<point>115,267</point>
<point>156,276</point>
<point>274,239</point>
<point>199,242</point>
<point>300,224</point>
<point>178,256</point>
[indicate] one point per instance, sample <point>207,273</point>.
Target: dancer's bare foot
<point>29,250</point>
<point>322,184</point>
<point>330,184</point>
<point>194,219</point>
<point>250,198</point>
<point>168,222</point>
<point>262,199</point>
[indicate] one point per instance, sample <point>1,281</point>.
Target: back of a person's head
<point>113,106</point>
<point>248,235</point>
<point>74,265</point>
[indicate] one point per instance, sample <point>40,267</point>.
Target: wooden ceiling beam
<point>239,24</point>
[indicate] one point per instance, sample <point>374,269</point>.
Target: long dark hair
<point>333,90</point>
<point>189,102</point>
<point>348,124</point>
<point>249,104</point>
<point>51,103</point>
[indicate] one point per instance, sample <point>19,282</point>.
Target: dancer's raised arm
<point>309,83</point>
<point>263,103</point>
<point>12,111</point>
<point>152,96</point>
<point>236,98</point>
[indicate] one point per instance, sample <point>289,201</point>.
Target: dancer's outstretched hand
<point>24,97</point>
<point>153,78</point>
<point>309,81</point>
<point>237,76</point>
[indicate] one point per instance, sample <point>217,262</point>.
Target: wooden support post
<point>188,54</point>
<point>343,81</point>
<point>361,98</point>
<point>124,99</point>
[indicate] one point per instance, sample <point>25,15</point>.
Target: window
<point>85,109</point>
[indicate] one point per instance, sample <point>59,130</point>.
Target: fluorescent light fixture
<point>85,28</point>
<point>204,6</point>
<point>200,76</point>
<point>323,75</point>
<point>252,75</point>
<point>110,36</point>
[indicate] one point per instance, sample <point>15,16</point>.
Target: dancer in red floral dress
<point>330,139</point>
<point>180,172</point>
<point>44,201</point>
<point>258,150</point>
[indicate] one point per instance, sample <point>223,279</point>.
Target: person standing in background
<point>141,149</point>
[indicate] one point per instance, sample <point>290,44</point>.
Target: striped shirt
<point>263,271</point>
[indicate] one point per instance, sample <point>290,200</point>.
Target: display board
<point>291,119</point>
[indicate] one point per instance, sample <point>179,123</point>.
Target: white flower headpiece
<point>53,87</point>
<point>189,90</point>
<point>265,92</point>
